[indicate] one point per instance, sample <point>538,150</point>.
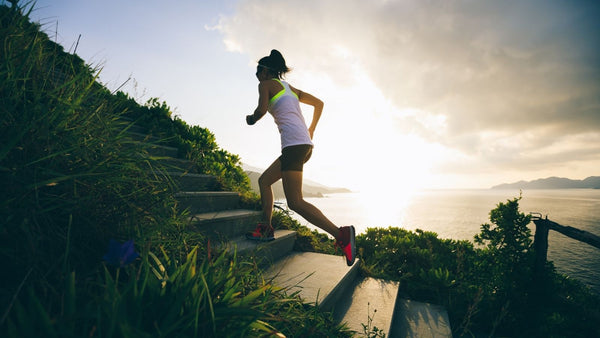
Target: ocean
<point>458,214</point>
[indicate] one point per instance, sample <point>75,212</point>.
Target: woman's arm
<point>307,98</point>
<point>263,104</point>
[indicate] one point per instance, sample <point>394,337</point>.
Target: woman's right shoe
<point>263,233</point>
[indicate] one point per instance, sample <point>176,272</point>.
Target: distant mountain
<point>592,182</point>
<point>309,188</point>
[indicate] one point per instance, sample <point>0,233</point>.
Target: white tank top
<point>285,108</point>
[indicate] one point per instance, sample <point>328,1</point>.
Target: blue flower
<point>120,255</point>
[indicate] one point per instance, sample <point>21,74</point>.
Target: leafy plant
<point>157,298</point>
<point>506,261</point>
<point>369,330</point>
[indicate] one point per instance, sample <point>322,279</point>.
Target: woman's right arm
<point>263,104</point>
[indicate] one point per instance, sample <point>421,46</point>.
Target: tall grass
<point>71,178</point>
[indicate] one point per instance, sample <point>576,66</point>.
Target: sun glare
<point>366,140</point>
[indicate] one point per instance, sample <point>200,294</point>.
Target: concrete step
<point>205,201</point>
<point>152,148</point>
<point>268,252</point>
<point>370,302</point>
<point>194,182</point>
<point>416,319</point>
<point>128,124</point>
<point>166,163</point>
<point>318,278</point>
<point>159,150</point>
<point>176,164</point>
<point>144,137</point>
<point>226,224</point>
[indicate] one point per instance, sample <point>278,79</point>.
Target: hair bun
<point>275,53</point>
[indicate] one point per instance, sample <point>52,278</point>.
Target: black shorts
<point>294,157</point>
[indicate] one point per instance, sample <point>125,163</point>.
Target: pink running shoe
<point>263,233</point>
<point>347,243</point>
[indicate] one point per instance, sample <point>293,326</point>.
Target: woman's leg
<point>265,181</point>
<point>292,186</point>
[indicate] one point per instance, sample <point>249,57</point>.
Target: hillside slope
<point>592,182</point>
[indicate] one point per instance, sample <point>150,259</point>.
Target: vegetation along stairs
<point>321,279</point>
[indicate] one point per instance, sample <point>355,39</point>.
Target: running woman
<point>283,102</point>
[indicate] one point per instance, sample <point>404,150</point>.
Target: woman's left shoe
<point>347,243</point>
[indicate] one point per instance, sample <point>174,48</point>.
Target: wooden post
<point>540,245</point>
<point>540,241</point>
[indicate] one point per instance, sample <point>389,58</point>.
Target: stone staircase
<point>320,279</point>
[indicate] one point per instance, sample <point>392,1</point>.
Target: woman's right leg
<point>265,181</point>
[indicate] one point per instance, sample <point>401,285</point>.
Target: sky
<point>418,94</point>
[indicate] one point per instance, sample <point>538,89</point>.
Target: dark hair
<point>275,63</point>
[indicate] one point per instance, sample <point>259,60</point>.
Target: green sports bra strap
<point>279,94</point>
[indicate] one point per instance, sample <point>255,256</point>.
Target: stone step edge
<point>188,174</point>
<point>223,215</point>
<point>419,319</point>
<point>369,301</point>
<point>331,299</point>
<point>244,246</point>
<point>303,272</point>
<point>147,137</point>
<point>151,145</point>
<point>206,193</point>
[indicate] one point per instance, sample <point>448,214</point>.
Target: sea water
<point>459,214</point>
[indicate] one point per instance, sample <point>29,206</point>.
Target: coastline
<point>459,214</point>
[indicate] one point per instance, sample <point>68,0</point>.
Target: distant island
<point>592,182</point>
<point>309,188</point>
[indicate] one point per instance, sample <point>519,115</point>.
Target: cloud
<point>508,79</point>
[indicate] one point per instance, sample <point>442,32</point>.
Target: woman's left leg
<point>265,181</point>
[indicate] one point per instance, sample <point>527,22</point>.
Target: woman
<point>283,102</point>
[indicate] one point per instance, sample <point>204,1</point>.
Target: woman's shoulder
<point>272,84</point>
